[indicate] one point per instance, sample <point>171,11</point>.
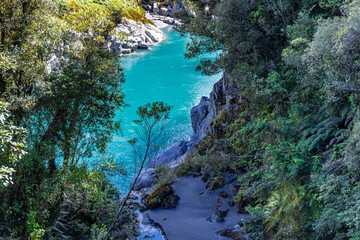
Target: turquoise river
<point>158,74</point>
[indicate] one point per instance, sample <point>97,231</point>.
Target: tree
<point>151,126</point>
<point>75,112</point>
<point>12,145</point>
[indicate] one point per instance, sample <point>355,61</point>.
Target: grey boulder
<point>170,155</point>
<point>146,179</point>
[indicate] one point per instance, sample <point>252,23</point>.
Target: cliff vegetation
<point>292,133</point>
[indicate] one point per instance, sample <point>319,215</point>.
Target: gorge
<point>159,74</point>
<point>262,140</point>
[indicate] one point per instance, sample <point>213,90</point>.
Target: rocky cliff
<point>202,208</point>
<point>224,97</point>
<point>132,35</point>
<point>170,8</point>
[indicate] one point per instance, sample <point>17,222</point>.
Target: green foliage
<point>64,88</point>
<point>12,145</point>
<point>165,176</point>
<point>151,127</point>
<point>295,142</point>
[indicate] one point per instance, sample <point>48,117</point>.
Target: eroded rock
<point>234,235</point>
<point>220,212</point>
<point>215,183</point>
<point>134,35</point>
<point>146,179</point>
<point>163,197</point>
<point>170,201</point>
<point>171,155</point>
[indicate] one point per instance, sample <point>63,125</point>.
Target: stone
<point>148,236</point>
<point>157,197</point>
<point>220,213</point>
<point>231,203</point>
<point>200,120</point>
<point>153,35</point>
<point>164,11</point>
<point>216,183</point>
<point>223,194</point>
<point>234,188</point>
<point>170,202</point>
<point>170,155</point>
<point>134,46</point>
<point>126,45</point>
<point>234,235</point>
<point>155,8</point>
<point>242,203</point>
<point>146,179</point>
<point>125,51</point>
<point>143,46</point>
<point>169,21</point>
<point>177,23</point>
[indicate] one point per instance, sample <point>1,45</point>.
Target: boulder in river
<point>143,46</point>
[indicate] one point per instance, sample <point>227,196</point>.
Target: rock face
<point>146,179</point>
<point>225,95</point>
<point>200,120</point>
<point>173,156</point>
<point>163,197</point>
<point>220,212</point>
<point>132,35</point>
<point>168,8</point>
<point>170,156</point>
<point>170,201</point>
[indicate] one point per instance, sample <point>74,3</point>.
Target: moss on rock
<point>163,197</point>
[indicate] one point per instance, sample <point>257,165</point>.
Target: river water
<point>159,74</point>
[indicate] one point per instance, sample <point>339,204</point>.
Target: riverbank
<point>206,207</point>
<point>132,36</point>
<point>201,212</point>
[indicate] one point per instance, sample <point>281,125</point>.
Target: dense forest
<point>59,92</point>
<point>294,140</point>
